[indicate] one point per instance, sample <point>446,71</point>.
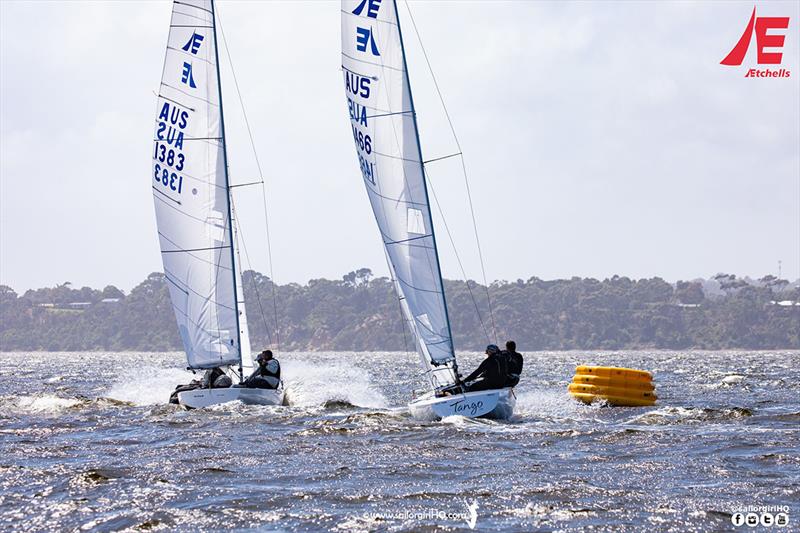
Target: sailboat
<point>384,128</point>
<point>194,210</point>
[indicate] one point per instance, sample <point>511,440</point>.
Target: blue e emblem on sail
<point>187,75</point>
<point>193,44</point>
<point>363,38</point>
<point>372,8</point>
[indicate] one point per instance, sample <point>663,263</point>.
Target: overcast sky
<point>600,138</point>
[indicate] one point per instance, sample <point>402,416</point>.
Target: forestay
<point>385,133</point>
<point>191,194</point>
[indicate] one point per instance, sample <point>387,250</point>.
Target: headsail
<point>247,362</point>
<point>191,194</point>
<point>387,143</point>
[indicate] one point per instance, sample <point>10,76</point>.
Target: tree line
<point>361,312</point>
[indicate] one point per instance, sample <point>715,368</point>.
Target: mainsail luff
<point>192,194</point>
<point>387,144</point>
<point>236,274</point>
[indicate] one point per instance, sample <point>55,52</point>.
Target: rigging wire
<point>253,278</point>
<point>458,259</point>
<point>403,323</point>
<point>263,196</point>
<point>463,168</point>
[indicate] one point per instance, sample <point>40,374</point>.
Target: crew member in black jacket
<point>491,374</point>
<point>514,359</point>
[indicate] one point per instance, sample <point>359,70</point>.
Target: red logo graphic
<point>763,40</point>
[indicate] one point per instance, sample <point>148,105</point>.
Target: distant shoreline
<point>361,313</point>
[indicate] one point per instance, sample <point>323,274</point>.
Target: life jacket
<point>271,369</point>
<point>211,377</point>
<point>222,382</point>
<point>270,372</point>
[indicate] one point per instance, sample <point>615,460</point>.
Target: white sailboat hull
<point>496,403</point>
<point>199,398</point>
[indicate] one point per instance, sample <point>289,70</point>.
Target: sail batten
<point>191,194</point>
<point>384,129</point>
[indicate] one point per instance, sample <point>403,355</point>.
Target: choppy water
<point>87,442</point>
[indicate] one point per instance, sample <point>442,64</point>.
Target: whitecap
<point>45,403</point>
<point>148,385</point>
<point>313,384</point>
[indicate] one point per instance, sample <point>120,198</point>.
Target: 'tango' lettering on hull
<point>471,407</point>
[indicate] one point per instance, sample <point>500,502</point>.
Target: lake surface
<point>87,442</point>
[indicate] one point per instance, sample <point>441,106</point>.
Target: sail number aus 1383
<point>169,156</point>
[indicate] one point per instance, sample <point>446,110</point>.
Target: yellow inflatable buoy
<point>614,372</point>
<point>617,392</point>
<point>612,400</point>
<point>614,385</point>
<point>613,382</point>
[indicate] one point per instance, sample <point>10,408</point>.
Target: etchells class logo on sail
<point>192,45</point>
<point>359,86</point>
<point>767,32</point>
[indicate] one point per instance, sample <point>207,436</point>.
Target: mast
<point>425,188</point>
<point>228,190</point>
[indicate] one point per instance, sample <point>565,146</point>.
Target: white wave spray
<point>310,384</point>
<point>148,385</point>
<point>45,403</point>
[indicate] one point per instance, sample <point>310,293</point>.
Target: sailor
<point>215,378</point>
<point>514,361</point>
<point>192,385</point>
<point>492,372</point>
<point>267,375</point>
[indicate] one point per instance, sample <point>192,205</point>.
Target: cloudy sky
<point>600,138</point>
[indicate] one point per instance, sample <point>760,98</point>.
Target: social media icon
<point>751,519</point>
<point>767,519</point>
<point>737,519</point>
<point>781,519</point>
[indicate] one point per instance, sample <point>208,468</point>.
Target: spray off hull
<point>497,403</point>
<point>198,398</point>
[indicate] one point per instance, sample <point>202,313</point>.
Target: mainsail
<point>191,193</point>
<point>387,144</point>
